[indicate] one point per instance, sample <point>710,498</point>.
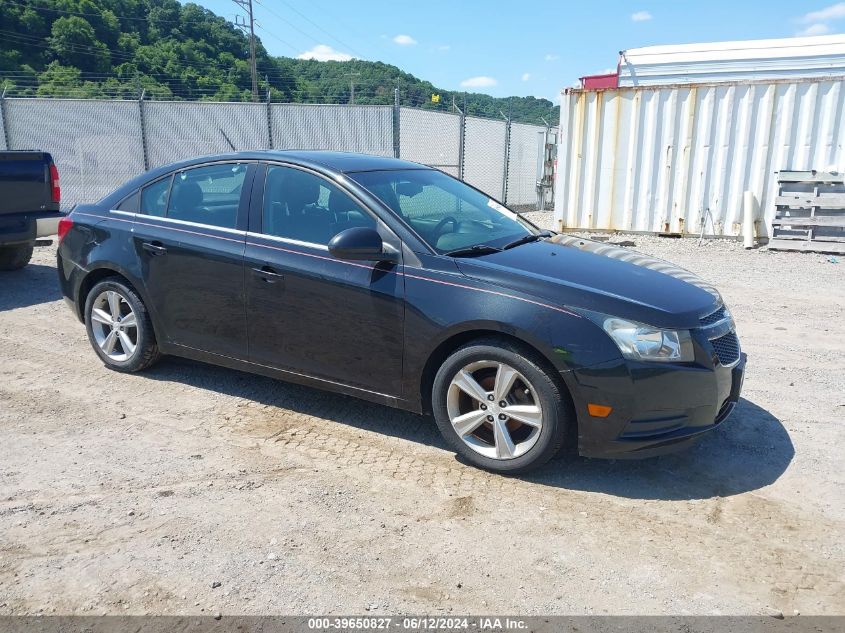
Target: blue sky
<point>517,48</point>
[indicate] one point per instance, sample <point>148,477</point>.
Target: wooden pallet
<point>810,213</point>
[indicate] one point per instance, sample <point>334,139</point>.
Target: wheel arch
<point>458,339</point>
<point>105,271</point>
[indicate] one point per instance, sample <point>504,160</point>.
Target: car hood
<point>580,273</point>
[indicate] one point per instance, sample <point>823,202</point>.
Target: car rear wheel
<point>15,257</point>
<point>119,327</point>
<point>498,407</point>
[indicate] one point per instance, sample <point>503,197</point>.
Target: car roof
<point>334,161</point>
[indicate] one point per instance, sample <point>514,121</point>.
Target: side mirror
<point>360,243</point>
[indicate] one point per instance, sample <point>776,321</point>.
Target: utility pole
<point>248,25</point>
<point>352,86</point>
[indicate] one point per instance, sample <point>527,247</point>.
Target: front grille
<point>726,348</point>
<point>715,317</point>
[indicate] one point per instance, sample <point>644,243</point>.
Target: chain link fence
<point>100,144</point>
<point>523,154</point>
<point>484,155</point>
<point>367,129</point>
<point>182,129</point>
<point>431,138</point>
<point>3,129</point>
<point>96,144</point>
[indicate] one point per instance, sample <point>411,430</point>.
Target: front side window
<point>445,212</point>
<point>154,197</point>
<point>208,195</point>
<point>302,206</point>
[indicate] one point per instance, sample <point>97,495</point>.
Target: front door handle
<point>154,248</point>
<point>268,275</point>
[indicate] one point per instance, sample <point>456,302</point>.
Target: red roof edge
<point>600,82</point>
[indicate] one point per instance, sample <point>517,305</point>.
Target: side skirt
<point>184,351</point>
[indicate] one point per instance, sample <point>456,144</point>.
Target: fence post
<point>269,118</point>
<point>396,114</point>
<point>507,159</point>
<point>143,131</point>
<point>3,120</point>
<point>461,142</point>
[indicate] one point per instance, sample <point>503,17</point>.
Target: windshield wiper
<point>533,237</point>
<point>472,251</point>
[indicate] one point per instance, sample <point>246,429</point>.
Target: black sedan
<point>397,283</point>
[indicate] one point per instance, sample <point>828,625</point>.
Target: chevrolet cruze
<point>397,283</point>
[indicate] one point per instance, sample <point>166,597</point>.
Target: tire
<point>534,392</point>
<point>123,357</point>
<point>15,257</point>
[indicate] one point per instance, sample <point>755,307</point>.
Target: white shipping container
<point>656,159</point>
<point>750,60</point>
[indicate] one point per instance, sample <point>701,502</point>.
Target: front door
<point>188,239</point>
<point>307,311</point>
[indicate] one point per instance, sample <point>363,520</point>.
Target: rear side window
<point>208,195</point>
<point>130,204</point>
<point>154,198</point>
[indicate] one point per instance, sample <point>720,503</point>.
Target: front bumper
<point>655,409</point>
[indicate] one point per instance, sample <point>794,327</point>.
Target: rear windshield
<point>23,168</point>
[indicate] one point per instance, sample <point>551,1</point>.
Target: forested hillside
<point>117,48</point>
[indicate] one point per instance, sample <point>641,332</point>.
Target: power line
<point>40,42</point>
<point>276,37</point>
<point>295,27</point>
<point>290,24</point>
<point>336,39</point>
<point>100,15</point>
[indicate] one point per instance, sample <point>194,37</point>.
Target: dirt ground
<point>193,489</point>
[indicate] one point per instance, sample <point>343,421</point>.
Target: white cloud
<point>325,53</point>
<point>550,57</point>
<point>526,76</point>
<point>641,16</point>
<point>478,82</point>
<point>444,47</point>
<point>818,21</point>
<point>404,40</point>
<point>833,12</point>
<point>820,28</point>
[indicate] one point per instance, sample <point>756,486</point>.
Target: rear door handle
<point>154,248</point>
<point>268,274</point>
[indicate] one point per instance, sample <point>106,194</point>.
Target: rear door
<point>189,235</point>
<point>309,312</point>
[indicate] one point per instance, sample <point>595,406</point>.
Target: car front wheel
<point>119,327</point>
<point>498,407</point>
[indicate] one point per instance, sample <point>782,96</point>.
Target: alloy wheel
<point>494,410</point>
<point>114,325</point>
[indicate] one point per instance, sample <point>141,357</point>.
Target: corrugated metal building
<point>665,158</point>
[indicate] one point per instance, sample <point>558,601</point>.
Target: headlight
<point>638,341</point>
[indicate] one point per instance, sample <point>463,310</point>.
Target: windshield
<point>445,212</point>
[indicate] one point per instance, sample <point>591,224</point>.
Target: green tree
<point>73,42</point>
<point>175,51</point>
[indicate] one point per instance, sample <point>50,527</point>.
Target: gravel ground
<point>193,489</point>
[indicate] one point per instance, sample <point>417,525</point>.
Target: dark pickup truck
<point>29,204</point>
